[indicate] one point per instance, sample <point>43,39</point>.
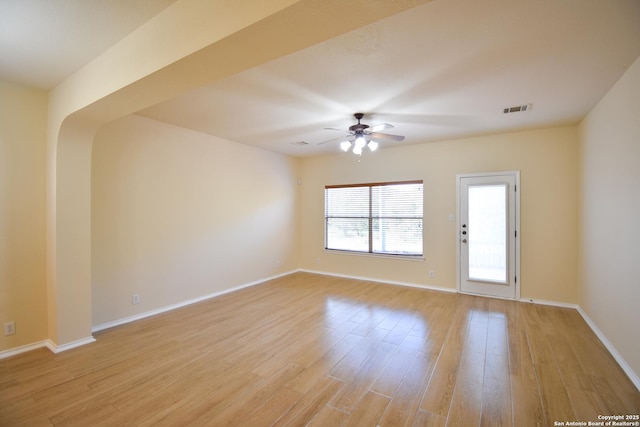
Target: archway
<point>188,45</point>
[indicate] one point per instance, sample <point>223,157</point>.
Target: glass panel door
<point>487,233</point>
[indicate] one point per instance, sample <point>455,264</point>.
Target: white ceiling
<point>42,42</point>
<point>442,70</point>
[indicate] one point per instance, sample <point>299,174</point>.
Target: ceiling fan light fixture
<point>362,135</point>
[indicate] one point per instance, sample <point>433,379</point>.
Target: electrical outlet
<point>9,328</point>
<point>432,274</point>
<point>135,299</point>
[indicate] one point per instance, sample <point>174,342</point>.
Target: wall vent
<point>517,109</point>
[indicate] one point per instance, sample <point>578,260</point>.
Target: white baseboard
<point>388,282</point>
<point>60,348</point>
<point>181,304</point>
<point>53,347</point>
<point>23,349</point>
<point>635,379</point>
<point>616,355</point>
<point>551,303</point>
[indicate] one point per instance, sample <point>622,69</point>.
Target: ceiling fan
<point>361,135</point>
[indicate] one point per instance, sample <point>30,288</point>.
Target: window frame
<point>370,219</point>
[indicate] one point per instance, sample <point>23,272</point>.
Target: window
<point>381,218</point>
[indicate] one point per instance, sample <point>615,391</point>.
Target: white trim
<point>375,255</point>
<point>635,379</point>
<point>55,348</point>
<point>23,349</point>
<point>388,282</point>
<point>164,309</point>
<point>551,303</point>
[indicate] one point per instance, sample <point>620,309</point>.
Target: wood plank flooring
<point>323,351</point>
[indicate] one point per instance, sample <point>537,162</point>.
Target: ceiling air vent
<point>301,143</point>
<point>517,109</point>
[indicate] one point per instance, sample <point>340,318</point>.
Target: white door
<point>488,249</point>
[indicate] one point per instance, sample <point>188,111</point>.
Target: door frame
<point>516,194</point>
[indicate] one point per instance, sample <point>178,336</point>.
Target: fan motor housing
<point>358,127</point>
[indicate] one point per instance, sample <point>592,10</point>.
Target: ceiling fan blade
<point>380,127</point>
<point>387,136</point>
<point>340,138</point>
<point>333,129</point>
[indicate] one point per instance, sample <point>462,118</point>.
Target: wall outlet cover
<point>9,328</point>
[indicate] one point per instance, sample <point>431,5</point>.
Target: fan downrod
<point>359,128</point>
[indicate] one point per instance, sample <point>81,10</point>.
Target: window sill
<point>367,254</point>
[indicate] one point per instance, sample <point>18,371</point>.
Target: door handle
<point>464,240</point>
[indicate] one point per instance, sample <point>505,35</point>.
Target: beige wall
<point>610,262</point>
<point>22,214</point>
<point>150,230</point>
<point>161,232</point>
<point>148,66</point>
<point>547,160</point>
<point>178,214</point>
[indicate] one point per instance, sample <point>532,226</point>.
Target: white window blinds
<point>383,218</point>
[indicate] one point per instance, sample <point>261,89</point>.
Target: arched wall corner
<point>69,291</point>
<point>149,66</point>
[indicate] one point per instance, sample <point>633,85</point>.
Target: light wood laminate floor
<point>323,351</point>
